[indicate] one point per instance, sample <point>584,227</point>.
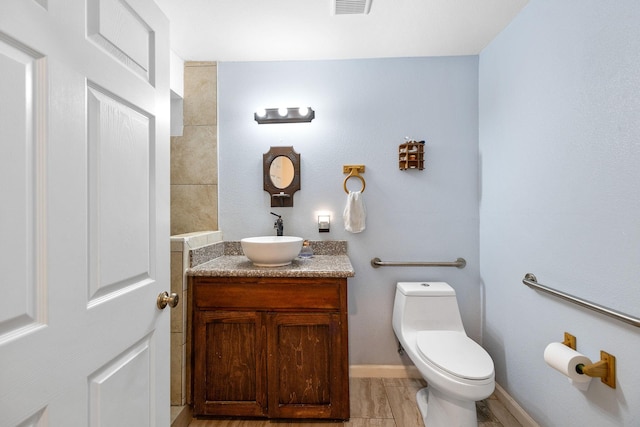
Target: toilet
<point>458,371</point>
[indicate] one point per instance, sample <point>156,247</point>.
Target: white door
<point>84,221</point>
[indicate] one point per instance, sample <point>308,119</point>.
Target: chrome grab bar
<point>531,281</point>
<point>376,262</point>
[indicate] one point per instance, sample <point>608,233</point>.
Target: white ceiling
<point>264,30</point>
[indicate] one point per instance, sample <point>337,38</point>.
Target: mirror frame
<point>281,197</point>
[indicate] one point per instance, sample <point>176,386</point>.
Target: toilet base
<point>439,410</point>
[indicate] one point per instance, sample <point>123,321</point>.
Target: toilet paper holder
<point>569,341</point>
<point>605,368</point>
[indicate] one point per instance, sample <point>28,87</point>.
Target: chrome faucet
<point>278,225</point>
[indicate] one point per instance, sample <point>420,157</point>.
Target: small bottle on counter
<point>306,251</point>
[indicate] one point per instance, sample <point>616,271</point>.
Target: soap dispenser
<point>306,251</point>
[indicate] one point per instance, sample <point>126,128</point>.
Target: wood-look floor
<point>380,402</point>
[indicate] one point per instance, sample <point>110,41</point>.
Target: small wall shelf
<point>411,155</point>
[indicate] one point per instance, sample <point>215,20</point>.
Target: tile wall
<point>194,161</point>
<point>194,201</point>
<point>182,247</point>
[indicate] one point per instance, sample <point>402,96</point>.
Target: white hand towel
<point>354,212</point>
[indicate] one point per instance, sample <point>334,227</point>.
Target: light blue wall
<point>560,149</point>
<point>364,109</point>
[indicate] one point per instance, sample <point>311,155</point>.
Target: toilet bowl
<point>458,371</point>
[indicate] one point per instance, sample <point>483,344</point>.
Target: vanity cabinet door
<point>229,375</point>
<point>306,369</point>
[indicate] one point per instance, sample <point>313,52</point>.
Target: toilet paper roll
<point>565,360</point>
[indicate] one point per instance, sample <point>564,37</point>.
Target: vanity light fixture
<point>284,115</point>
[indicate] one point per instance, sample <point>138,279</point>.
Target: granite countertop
<point>240,266</point>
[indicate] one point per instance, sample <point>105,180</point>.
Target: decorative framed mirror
<point>281,175</point>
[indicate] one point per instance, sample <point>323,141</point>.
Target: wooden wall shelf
<point>411,155</point>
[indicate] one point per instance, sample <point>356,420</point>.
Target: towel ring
<point>354,172</point>
<point>364,184</point>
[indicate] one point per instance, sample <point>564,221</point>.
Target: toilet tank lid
<point>435,289</point>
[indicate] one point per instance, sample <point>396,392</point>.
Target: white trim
<point>514,408</point>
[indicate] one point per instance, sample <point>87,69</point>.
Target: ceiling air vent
<point>350,7</point>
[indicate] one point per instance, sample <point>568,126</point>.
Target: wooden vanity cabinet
<point>270,347</point>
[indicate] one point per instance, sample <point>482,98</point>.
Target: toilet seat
<point>455,353</point>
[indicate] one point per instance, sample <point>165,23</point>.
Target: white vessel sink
<point>271,251</point>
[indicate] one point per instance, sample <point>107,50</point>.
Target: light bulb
<point>261,112</point>
<point>303,111</point>
<point>282,111</point>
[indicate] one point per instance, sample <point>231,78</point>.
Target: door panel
<point>84,148</point>
<point>305,373</point>
<point>119,183</point>
<point>230,360</point>
<point>119,390</point>
<point>122,32</point>
<point>303,364</point>
<point>21,308</point>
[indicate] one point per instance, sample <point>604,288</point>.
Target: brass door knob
<point>165,299</point>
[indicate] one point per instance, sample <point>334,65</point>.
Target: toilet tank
<point>421,306</point>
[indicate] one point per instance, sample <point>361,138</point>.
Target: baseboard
<point>383,371</point>
<point>403,371</point>
<point>513,407</point>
